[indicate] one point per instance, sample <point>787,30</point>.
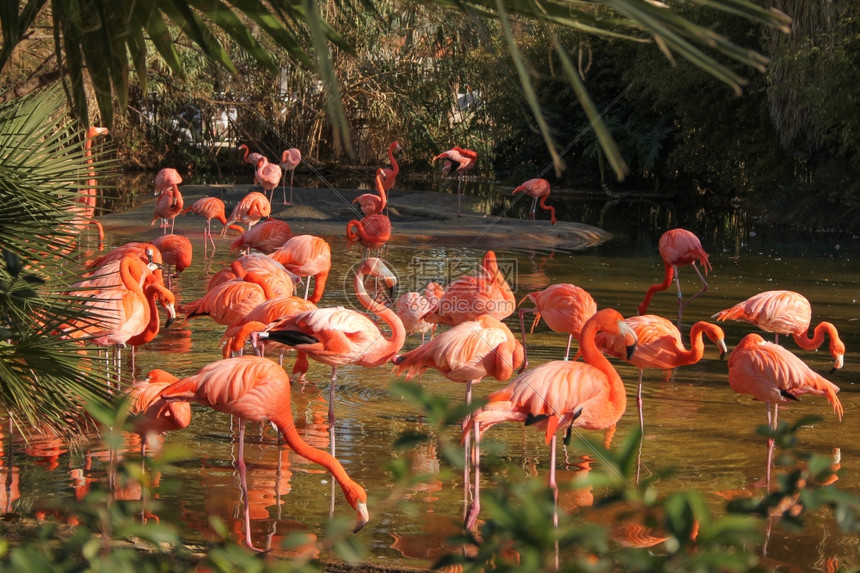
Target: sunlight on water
<point>695,424</point>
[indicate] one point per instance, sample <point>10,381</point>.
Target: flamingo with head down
<point>290,159</point>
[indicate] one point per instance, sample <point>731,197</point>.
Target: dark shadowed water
<point>694,422</point>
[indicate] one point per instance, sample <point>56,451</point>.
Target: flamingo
<point>229,302</point>
<point>564,307</point>
<point>461,161</point>
<point>251,158</point>
<point>786,312</point>
<point>155,292</point>
<point>341,336</point>
<point>208,208</point>
<point>268,175</point>
<point>371,204</point>
<point>307,256</point>
<point>165,179</point>
<point>678,247</point>
<point>279,279</point>
<point>152,415</point>
<point>538,189</point>
<point>412,306</point>
<point>265,313</point>
<point>389,176</point>
<point>84,205</point>
<point>253,207</point>
<point>559,394</point>
<point>468,353</point>
<point>175,251</point>
<point>470,296</point>
<point>168,205</point>
<point>257,389</point>
<point>660,346</point>
<point>372,231</point>
<point>290,159</point>
<point>773,375</point>
<point>265,237</point>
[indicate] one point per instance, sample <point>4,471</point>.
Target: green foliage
<point>630,526</point>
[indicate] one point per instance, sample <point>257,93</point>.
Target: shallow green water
<point>694,422</point>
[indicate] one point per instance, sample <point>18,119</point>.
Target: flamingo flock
<point>256,300</point>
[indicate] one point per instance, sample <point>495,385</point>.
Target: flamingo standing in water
<point>564,307</point>
<point>265,237</point>
<point>268,175</point>
<point>459,161</point>
<point>773,375</point>
<point>372,231</point>
<point>537,189</point>
<point>290,159</point>
<point>175,251</point>
<point>786,312</point>
<point>372,204</point>
<point>168,205</point>
<point>253,207</point>
<point>341,336</point>
<point>209,208</point>
<point>257,389</point>
<point>559,394</point>
<point>470,296</point>
<point>678,247</point>
<point>660,346</point>
<point>230,301</point>
<point>152,415</point>
<point>412,306</point>
<point>307,256</point>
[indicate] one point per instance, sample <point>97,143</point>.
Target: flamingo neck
<point>130,274</point>
<point>398,331</point>
<point>395,168</point>
<point>283,420</point>
<point>669,274</point>
<point>549,208</point>
<point>253,277</point>
<point>697,345</point>
<point>823,328</point>
<point>354,235</point>
<point>593,356</point>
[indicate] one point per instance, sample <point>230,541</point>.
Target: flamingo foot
<point>471,521</point>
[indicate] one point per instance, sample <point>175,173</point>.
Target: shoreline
<point>423,216</point>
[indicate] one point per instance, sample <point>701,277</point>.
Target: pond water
<point>694,423</point>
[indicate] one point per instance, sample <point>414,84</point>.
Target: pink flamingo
<point>678,247</point>
<point>786,312</point>
<point>209,208</point>
<point>559,394</point>
<point>340,336</point>
<point>229,302</point>
<point>176,252</point>
<point>84,206</point>
<point>773,375</point>
<point>538,189</point>
<point>257,389</point>
<point>389,176</point>
<point>152,415</point>
<point>268,175</point>
<point>307,256</point>
<point>168,205</point>
<point>253,207</point>
<point>251,158</point>
<point>372,231</point>
<point>372,204</point>
<point>660,346</point>
<point>290,159</point>
<point>564,307</point>
<point>412,306</point>
<point>460,161</point>
<point>165,179</point>
<point>470,296</point>
<point>265,237</point>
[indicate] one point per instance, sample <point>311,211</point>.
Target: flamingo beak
<point>362,518</point>
<point>723,349</point>
<point>838,362</point>
<point>171,315</point>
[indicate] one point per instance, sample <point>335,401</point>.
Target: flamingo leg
<point>553,484</point>
<point>243,481</point>
<point>532,212</point>
<point>639,403</point>
<point>704,288</point>
<point>331,410</point>
<point>567,351</point>
<point>471,518</point>
<point>292,172</point>
<point>525,347</point>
